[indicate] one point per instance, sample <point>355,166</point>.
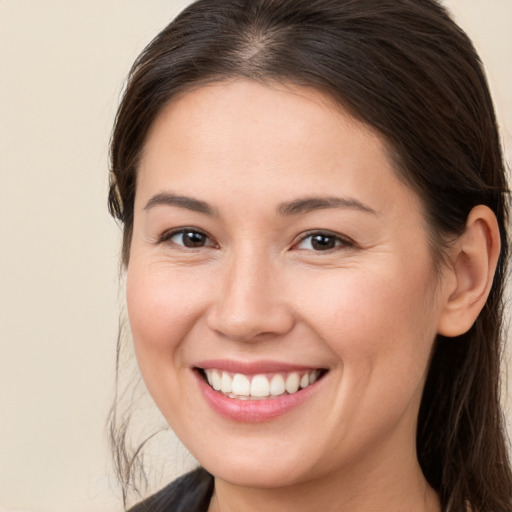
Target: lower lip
<point>254,411</point>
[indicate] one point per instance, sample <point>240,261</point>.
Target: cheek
<point>380,333</point>
<point>163,310</point>
<point>370,317</point>
<point>162,307</point>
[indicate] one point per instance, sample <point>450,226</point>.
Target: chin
<point>258,469</point>
<point>261,476</point>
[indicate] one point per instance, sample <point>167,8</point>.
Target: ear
<point>473,263</point>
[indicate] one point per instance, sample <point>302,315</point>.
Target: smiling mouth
<point>260,386</point>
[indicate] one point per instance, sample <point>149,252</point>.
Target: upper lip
<point>253,367</point>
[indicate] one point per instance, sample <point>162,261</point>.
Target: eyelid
<point>345,242</point>
<point>167,235</point>
<point>342,241</point>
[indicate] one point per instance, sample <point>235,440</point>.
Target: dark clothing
<point>190,493</point>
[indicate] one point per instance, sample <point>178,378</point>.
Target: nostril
<point>250,324</point>
<point>249,302</point>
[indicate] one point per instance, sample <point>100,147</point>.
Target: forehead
<point>276,140</point>
<point>247,105</point>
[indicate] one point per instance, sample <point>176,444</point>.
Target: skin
<point>368,309</point>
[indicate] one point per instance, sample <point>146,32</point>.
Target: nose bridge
<point>250,301</point>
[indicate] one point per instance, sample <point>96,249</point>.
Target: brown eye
<point>192,239</point>
<point>189,239</point>
<point>321,241</point>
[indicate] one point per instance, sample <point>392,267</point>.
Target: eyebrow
<point>189,203</point>
<point>309,204</point>
<point>295,207</point>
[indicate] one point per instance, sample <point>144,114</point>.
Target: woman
<point>314,207</point>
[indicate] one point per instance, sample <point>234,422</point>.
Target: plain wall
<point>62,66</point>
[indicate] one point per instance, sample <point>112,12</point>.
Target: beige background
<point>62,65</point>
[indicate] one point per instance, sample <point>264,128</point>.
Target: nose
<point>251,303</point>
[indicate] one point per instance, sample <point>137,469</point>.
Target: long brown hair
<point>405,68</point>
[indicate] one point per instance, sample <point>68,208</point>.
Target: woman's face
<point>273,248</point>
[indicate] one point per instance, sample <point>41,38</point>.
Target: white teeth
<point>244,387</point>
<point>216,383</point>
<point>226,383</point>
<point>260,386</point>
<point>292,382</point>
<point>277,385</point>
<point>241,385</point>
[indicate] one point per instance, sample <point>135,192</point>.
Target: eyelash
<point>340,242</point>
<point>168,235</point>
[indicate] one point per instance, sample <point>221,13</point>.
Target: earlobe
<point>474,258</point>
